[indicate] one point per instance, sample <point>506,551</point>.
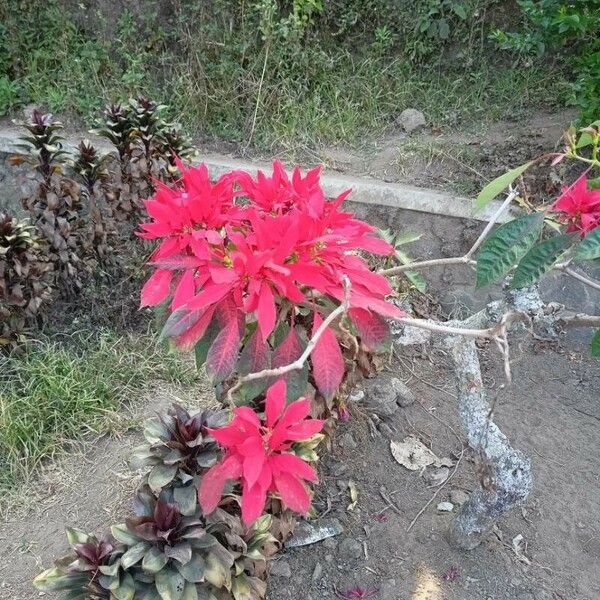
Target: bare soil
<point>551,413</point>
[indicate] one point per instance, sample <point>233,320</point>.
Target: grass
<point>56,393</point>
<point>327,92</point>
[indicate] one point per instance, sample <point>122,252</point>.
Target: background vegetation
<point>282,73</point>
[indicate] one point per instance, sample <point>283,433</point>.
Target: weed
<point>59,392</point>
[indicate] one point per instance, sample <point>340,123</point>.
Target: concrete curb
<point>364,190</point>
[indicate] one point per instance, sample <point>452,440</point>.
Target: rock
<point>339,468</point>
<point>380,398</point>
<point>458,497</point>
<point>356,396</point>
<point>404,395</point>
<point>350,549</point>
<point>280,568</point>
<point>309,533</point>
<point>317,572</point>
<point>330,543</point>
<point>412,120</point>
<point>445,507</point>
<point>347,441</point>
<point>435,477</point>
<point>341,485</point>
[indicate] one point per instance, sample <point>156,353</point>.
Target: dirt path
<point>552,414</point>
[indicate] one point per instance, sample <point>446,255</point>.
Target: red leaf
<point>185,289</point>
<point>213,482</point>
<point>186,341</point>
<point>293,492</point>
<point>180,321</point>
<point>255,355</point>
<point>373,329</point>
<point>327,361</point>
<point>157,288</point>
<point>223,354</point>
<point>288,351</point>
<point>266,313</point>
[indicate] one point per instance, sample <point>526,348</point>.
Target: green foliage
<point>569,27</point>
<point>596,344</point>
<point>493,188</point>
<point>504,248</point>
<point>539,260</point>
<point>589,247</point>
<point>310,71</point>
<point>54,393</point>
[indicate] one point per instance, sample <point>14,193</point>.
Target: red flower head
<point>579,207</point>
<point>258,454</point>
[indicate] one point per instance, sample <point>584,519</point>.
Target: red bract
<point>579,207</point>
<point>254,249</point>
<point>258,455</point>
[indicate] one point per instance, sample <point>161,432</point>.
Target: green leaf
<point>585,139</point>
<point>53,580</point>
<point>126,589</point>
<point>415,278</point>
<point>160,476</point>
<point>186,499</point>
<point>506,246</point>
<point>76,536</point>
<point>134,555</point>
<point>170,584</point>
<point>493,188</point>
<point>181,552</point>
<point>460,11</point>
<point>407,237</point>
<point>218,567</point>
<point>539,260</point>
<point>154,561</point>
<point>122,534</point>
<point>193,570</point>
<point>596,344</point>
<point>594,184</point>
<point>589,247</point>
<point>190,592</point>
<point>203,345</point>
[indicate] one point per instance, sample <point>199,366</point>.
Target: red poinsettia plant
<point>579,207</point>
<point>259,456</point>
<point>249,266</point>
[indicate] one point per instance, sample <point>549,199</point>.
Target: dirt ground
<point>551,413</point>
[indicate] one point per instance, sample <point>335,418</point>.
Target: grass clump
<point>55,393</point>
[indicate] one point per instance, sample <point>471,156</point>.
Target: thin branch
<point>511,196</point>
<point>576,275</point>
<point>456,260</point>
<point>299,362</point>
<point>425,264</point>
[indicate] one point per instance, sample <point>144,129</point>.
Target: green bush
<point>572,29</point>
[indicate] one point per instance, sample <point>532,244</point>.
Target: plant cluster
<point>569,27</point>
<point>264,278</point>
<point>250,267</point>
<point>24,279</point>
<point>85,204</point>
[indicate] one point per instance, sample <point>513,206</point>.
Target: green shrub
<point>571,28</point>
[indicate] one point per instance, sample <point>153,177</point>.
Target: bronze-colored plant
<point>24,279</point>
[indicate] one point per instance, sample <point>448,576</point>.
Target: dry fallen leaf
<point>414,455</point>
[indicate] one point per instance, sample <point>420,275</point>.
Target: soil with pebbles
<point>551,413</point>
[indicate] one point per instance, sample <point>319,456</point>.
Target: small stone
<point>347,441</point>
<point>458,497</point>
<point>381,398</point>
<point>330,543</point>
<point>341,485</point>
<point>317,572</point>
<point>356,396</point>
<point>445,507</point>
<point>280,568</point>
<point>435,477</point>
<point>329,558</point>
<point>339,469</point>
<point>412,120</point>
<point>350,549</point>
<point>404,395</point>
